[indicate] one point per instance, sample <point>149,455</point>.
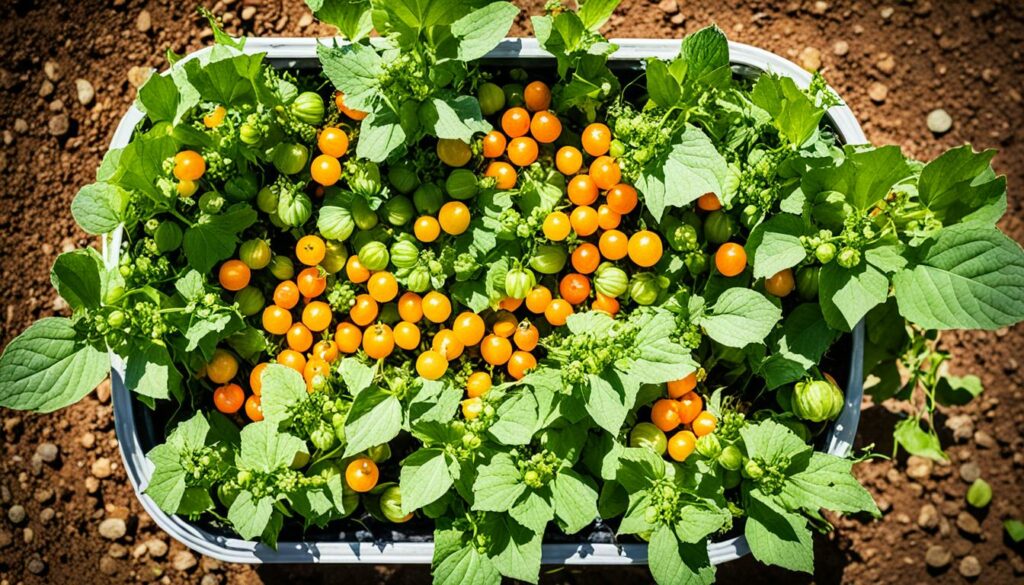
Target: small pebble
<point>43,495</point>
<point>139,551</point>
<point>117,551</point>
<point>28,535</point>
<point>138,75</point>
<point>928,517</point>
<point>970,567</point>
<point>668,6</point>
<point>183,560</point>
<point>48,452</point>
<point>210,579</point>
<point>21,127</point>
<point>16,514</point>
<point>87,440</point>
<point>92,485</point>
<point>919,467</point>
<point>887,12</point>
<point>156,547</point>
<point>144,22</point>
<point>305,20</point>
<point>113,528</point>
<point>840,48</point>
<point>970,471</point>
<point>810,59</point>
<point>968,524</point>
<point>938,557</point>
<point>108,566</point>
<point>36,566</point>
<point>86,93</point>
<point>248,12</point>
<point>52,70</point>
<point>46,514</point>
<point>939,122</point>
<point>984,440</point>
<point>878,92</point>
<point>46,88</point>
<point>101,468</point>
<point>59,125</point>
<point>5,539</point>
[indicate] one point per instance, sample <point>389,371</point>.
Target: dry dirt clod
<point>52,70</point>
<point>101,468</point>
<point>968,524</point>
<point>183,560</point>
<point>878,92</point>
<point>810,59</point>
<point>919,467</point>
<point>668,6</point>
<point>144,22</point>
<point>113,528</point>
<point>887,12</point>
<point>92,485</point>
<point>48,452</point>
<point>46,514</point>
<point>59,124</point>
<point>156,547</point>
<point>85,91</point>
<point>984,440</point>
<point>16,514</point>
<point>970,471</point>
<point>886,64</point>
<point>138,75</point>
<point>108,566</point>
<point>117,551</point>
<point>87,440</point>
<point>36,565</point>
<point>210,579</point>
<point>248,13</point>
<point>305,20</point>
<point>43,495</point>
<point>28,535</point>
<point>938,557</point>
<point>970,567</point>
<point>928,517</point>
<point>840,48</point>
<point>961,424</point>
<point>46,88</point>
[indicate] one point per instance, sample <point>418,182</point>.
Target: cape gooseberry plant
<point>414,286</point>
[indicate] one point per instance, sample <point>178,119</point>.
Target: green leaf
<point>960,182</point>
<point>575,499</point>
<point>956,390</point>
<point>865,176</point>
<point>804,339</point>
<point>793,114</point>
<point>99,208</point>
<point>517,419</point>
<point>706,53</point>
<point>49,367</point>
<point>167,483</point>
<point>351,17</point>
<point>970,276</point>
<point>456,118</point>
<point>1014,529</point>
<point>374,418</point>
<point>775,245</point>
<point>356,375</point>
<point>533,509</point>
<point>356,70</point>
<point>639,468</point>
<point>424,478</point>
<point>696,523</point>
<point>215,237</point>
<point>594,13</point>
<point>250,516</point>
<point>150,371</point>
<point>663,88</point>
<point>282,389</point>
<point>692,168</point>
<point>466,566</point>
<point>594,322</point>
<point>770,441</point>
<point>167,97</point>
<point>498,485</point>
<point>420,14</point>
<point>232,81</point>
<point>674,562</point>
<point>609,398</point>
<point>78,278</point>
<point>141,161</point>
<point>380,134</point>
<point>519,549</point>
<point>918,441</point>
<point>827,483</point>
<point>267,450</point>
<point>847,294</point>
<point>481,30</point>
<point>778,537</point>
<point>741,316</point>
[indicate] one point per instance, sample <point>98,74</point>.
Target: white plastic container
<point>287,52</point>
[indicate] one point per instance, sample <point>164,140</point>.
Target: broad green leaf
<point>639,468</point>
<point>456,118</point>
<point>150,371</point>
<point>99,208</point>
<point>519,549</point>
<point>48,367</point>
<point>282,389</point>
<point>774,245</point>
<point>534,509</point>
<point>918,441</point>
<point>956,390</point>
<point>267,450</point>
<point>804,339</point>
<point>827,482</point>
<point>575,499</point>
<point>741,316</point>
<point>167,483</point>
<point>356,375</point>
<point>696,523</point>
<point>778,537</point>
<point>674,562</point>
<point>435,401</point>
<point>960,182</point>
<point>421,14</point>
<point>794,115</point>
<point>380,135</point>
<point>481,30</point>
<point>691,168</point>
<point>466,566</point>
<point>498,485</point>
<point>424,478</point>
<point>78,278</point>
<point>141,161</point>
<point>374,418</point>
<point>232,81</point>
<point>662,87</point>
<point>250,516</point>
<point>706,53</point>
<point>970,276</point>
<point>351,17</point>
<point>864,178</point>
<point>214,237</point>
<point>356,70</point>
<point>847,294</point>
<point>517,419</point>
<point>770,441</point>
<point>594,13</point>
<point>609,398</point>
<point>594,322</point>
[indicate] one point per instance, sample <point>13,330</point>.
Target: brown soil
<point>961,56</point>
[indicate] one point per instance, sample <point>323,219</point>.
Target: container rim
<point>840,435</point>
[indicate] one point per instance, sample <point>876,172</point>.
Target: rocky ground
<point>920,74</point>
